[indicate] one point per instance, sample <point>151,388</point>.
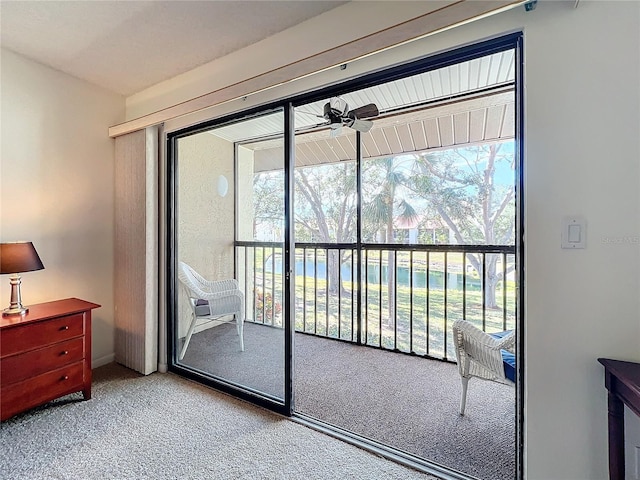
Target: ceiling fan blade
<point>309,113</point>
<point>360,125</point>
<point>366,111</point>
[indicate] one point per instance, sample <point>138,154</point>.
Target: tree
<point>384,206</point>
<point>268,200</point>
<point>325,211</point>
<point>325,208</point>
<point>461,185</point>
<point>471,189</point>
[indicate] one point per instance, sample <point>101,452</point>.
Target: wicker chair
<point>211,300</point>
<point>483,355</point>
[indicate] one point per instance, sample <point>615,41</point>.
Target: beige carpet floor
<point>164,427</point>
<point>407,402</point>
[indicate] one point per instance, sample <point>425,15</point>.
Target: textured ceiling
<point>127,46</point>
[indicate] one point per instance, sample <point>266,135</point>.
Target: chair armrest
<point>479,354</point>
<point>222,294</point>
<point>470,334</point>
<point>508,342</point>
<point>222,285</point>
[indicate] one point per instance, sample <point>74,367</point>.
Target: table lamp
<point>16,258</point>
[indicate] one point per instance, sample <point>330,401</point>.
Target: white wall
<point>57,187</point>
<point>205,220</point>
<point>582,156</point>
<point>205,245</point>
<point>346,23</point>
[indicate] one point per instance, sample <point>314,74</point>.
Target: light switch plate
<point>574,232</point>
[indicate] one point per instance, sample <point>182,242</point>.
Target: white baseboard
<point>104,360</point>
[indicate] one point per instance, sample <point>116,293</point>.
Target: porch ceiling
<point>454,123</point>
<point>457,105</point>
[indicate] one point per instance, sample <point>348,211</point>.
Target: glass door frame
<point>284,407</point>
<point>453,56</point>
<point>511,41</point>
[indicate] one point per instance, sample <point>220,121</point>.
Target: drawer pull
<point>66,327</point>
<point>66,352</point>
<point>65,377</point>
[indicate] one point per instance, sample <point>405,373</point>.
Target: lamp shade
<point>18,257</point>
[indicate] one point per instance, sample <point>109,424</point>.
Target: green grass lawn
<point>422,317</point>
<point>418,324</point>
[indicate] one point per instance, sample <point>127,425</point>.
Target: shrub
<point>266,309</point>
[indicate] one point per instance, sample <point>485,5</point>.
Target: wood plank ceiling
<point>462,104</point>
<point>465,122</point>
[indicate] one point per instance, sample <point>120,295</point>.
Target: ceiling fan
<point>337,113</point>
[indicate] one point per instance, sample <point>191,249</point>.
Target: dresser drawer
<point>24,365</point>
<point>41,389</point>
<point>38,334</point>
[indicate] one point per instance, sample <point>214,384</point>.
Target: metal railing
<point>409,294</point>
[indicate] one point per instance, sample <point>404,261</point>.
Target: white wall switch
<point>574,232</point>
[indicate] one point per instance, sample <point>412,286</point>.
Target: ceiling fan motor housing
<point>336,112</point>
<point>332,114</point>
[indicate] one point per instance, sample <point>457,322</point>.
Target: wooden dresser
<point>45,354</point>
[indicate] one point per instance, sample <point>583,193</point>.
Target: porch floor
<point>409,403</point>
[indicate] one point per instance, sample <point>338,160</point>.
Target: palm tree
<point>383,208</point>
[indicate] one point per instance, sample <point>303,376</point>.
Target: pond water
<point>318,269</point>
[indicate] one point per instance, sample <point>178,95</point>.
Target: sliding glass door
<point>406,225</point>
<point>229,321</point>
<point>407,220</point>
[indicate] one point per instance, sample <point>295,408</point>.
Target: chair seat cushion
<point>508,358</point>
<point>202,308</point>
<point>509,362</point>
<point>496,334</point>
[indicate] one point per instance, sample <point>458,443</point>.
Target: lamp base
<point>14,311</point>
<point>15,305</point>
